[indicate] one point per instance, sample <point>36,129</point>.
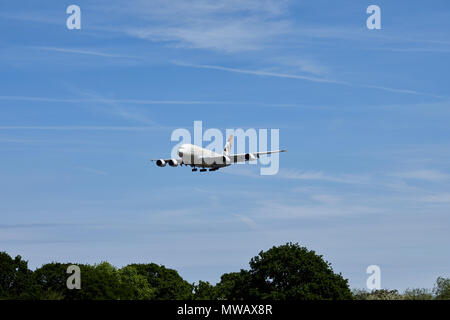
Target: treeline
<point>285,272</point>
<point>441,291</point>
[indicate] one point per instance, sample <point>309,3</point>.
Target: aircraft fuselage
<point>194,156</point>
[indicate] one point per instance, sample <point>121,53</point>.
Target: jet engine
<point>226,160</point>
<point>160,163</point>
<point>173,162</point>
<point>250,157</point>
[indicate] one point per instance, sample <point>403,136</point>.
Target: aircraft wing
<point>251,156</point>
<point>218,160</point>
<point>235,158</point>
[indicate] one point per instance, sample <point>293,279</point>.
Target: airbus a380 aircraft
<point>195,156</point>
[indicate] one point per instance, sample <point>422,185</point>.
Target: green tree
<point>98,282</point>
<point>204,291</point>
<point>15,278</point>
<point>360,294</point>
<point>50,281</point>
<point>289,272</point>
<point>50,295</point>
<point>167,283</point>
<point>381,294</point>
<point>234,286</point>
<point>134,286</point>
<point>417,294</point>
<point>442,288</point>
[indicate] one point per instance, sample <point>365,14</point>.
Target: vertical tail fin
<point>227,149</point>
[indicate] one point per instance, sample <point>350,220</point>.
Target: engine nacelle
<point>250,157</point>
<point>226,160</point>
<point>160,163</point>
<point>173,162</point>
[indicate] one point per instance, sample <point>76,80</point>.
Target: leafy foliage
<point>204,291</point>
<point>382,294</point>
<point>442,288</point>
<point>234,286</point>
<point>293,272</point>
<point>15,278</point>
<point>286,272</point>
<point>167,283</point>
<point>134,286</point>
<point>50,281</point>
<point>417,294</point>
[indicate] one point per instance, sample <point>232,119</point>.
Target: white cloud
<point>246,220</point>
<point>110,100</point>
<point>224,25</point>
<point>437,198</point>
<point>258,72</point>
<point>233,36</point>
<point>319,175</point>
<point>302,77</point>
<point>101,128</point>
<point>427,175</point>
<point>326,198</point>
<point>278,209</point>
<point>113,107</point>
<point>301,64</point>
<point>83,51</point>
<point>94,171</point>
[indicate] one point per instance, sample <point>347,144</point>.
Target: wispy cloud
<point>427,175</point>
<point>31,16</point>
<point>116,108</point>
<point>361,34</point>
<point>307,65</point>
<point>294,174</point>
<point>37,225</point>
<point>15,140</point>
<point>247,221</point>
<point>303,77</point>
<point>319,175</point>
<point>233,25</point>
<point>82,128</point>
<point>109,100</point>
<point>229,26</point>
<point>257,72</point>
<point>84,52</point>
<point>94,171</point>
<point>279,209</point>
<point>437,198</point>
<point>409,49</point>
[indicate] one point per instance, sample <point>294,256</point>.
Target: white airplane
<point>195,156</point>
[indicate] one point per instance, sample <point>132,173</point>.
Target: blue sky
<point>364,113</point>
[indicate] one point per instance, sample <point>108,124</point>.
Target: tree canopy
<point>15,277</point>
<point>286,272</point>
<point>168,284</point>
<point>442,288</point>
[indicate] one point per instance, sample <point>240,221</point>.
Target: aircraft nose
<point>181,152</point>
